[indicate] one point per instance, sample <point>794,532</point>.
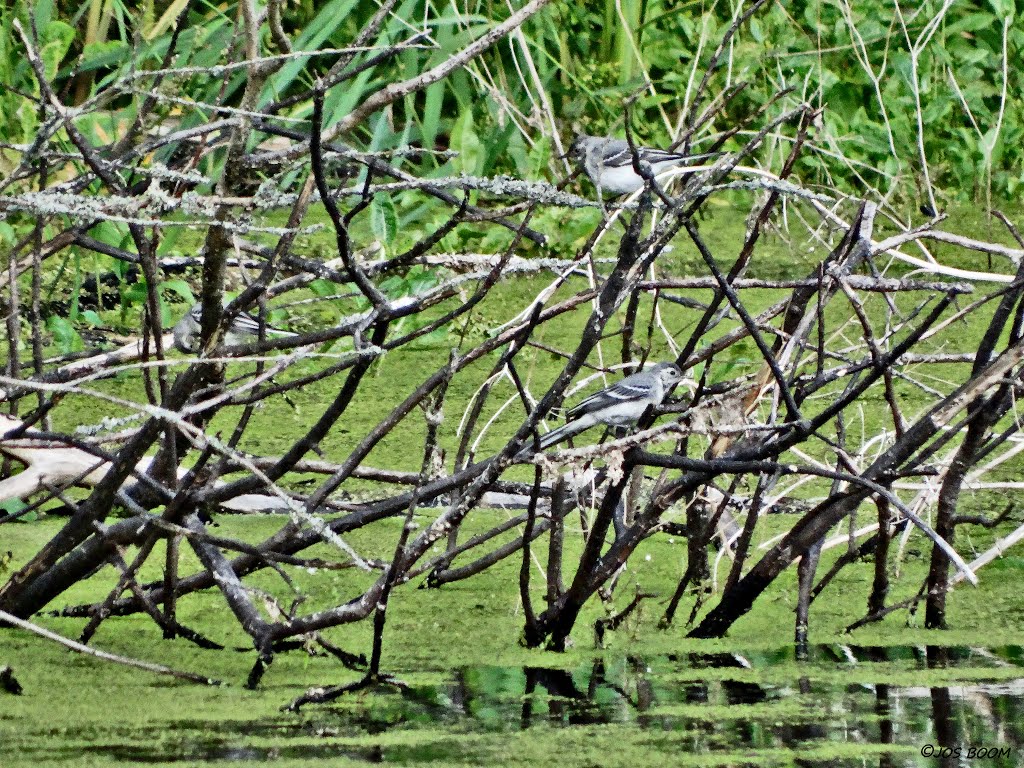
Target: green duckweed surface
<point>476,697</point>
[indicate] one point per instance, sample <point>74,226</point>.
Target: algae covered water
<point>844,705</point>
<point>890,694</point>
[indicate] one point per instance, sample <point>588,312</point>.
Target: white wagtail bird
<point>609,162</point>
<point>244,328</point>
<point>619,405</point>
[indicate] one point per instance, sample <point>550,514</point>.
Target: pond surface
<point>844,705</point>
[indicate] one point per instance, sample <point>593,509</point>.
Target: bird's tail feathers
<point>563,432</point>
<point>702,157</point>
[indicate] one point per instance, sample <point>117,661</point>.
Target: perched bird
<point>609,162</point>
<point>244,328</point>
<point>619,405</point>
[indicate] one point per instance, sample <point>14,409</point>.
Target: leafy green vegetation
<point>578,63</point>
<point>573,68</point>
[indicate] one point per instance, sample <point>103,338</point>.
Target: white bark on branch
<point>147,666</point>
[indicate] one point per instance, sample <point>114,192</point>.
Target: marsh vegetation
<point>837,280</point>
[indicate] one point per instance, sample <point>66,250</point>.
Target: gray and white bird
<point>619,405</point>
<point>244,328</point>
<point>609,162</point>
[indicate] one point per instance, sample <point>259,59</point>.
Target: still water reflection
<point>860,696</point>
<point>843,706</point>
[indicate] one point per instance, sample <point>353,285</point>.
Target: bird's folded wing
<point>619,157</point>
<point>246,323</point>
<point>250,325</point>
<point>620,392</point>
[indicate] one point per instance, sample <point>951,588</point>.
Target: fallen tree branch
<point>7,618</point>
